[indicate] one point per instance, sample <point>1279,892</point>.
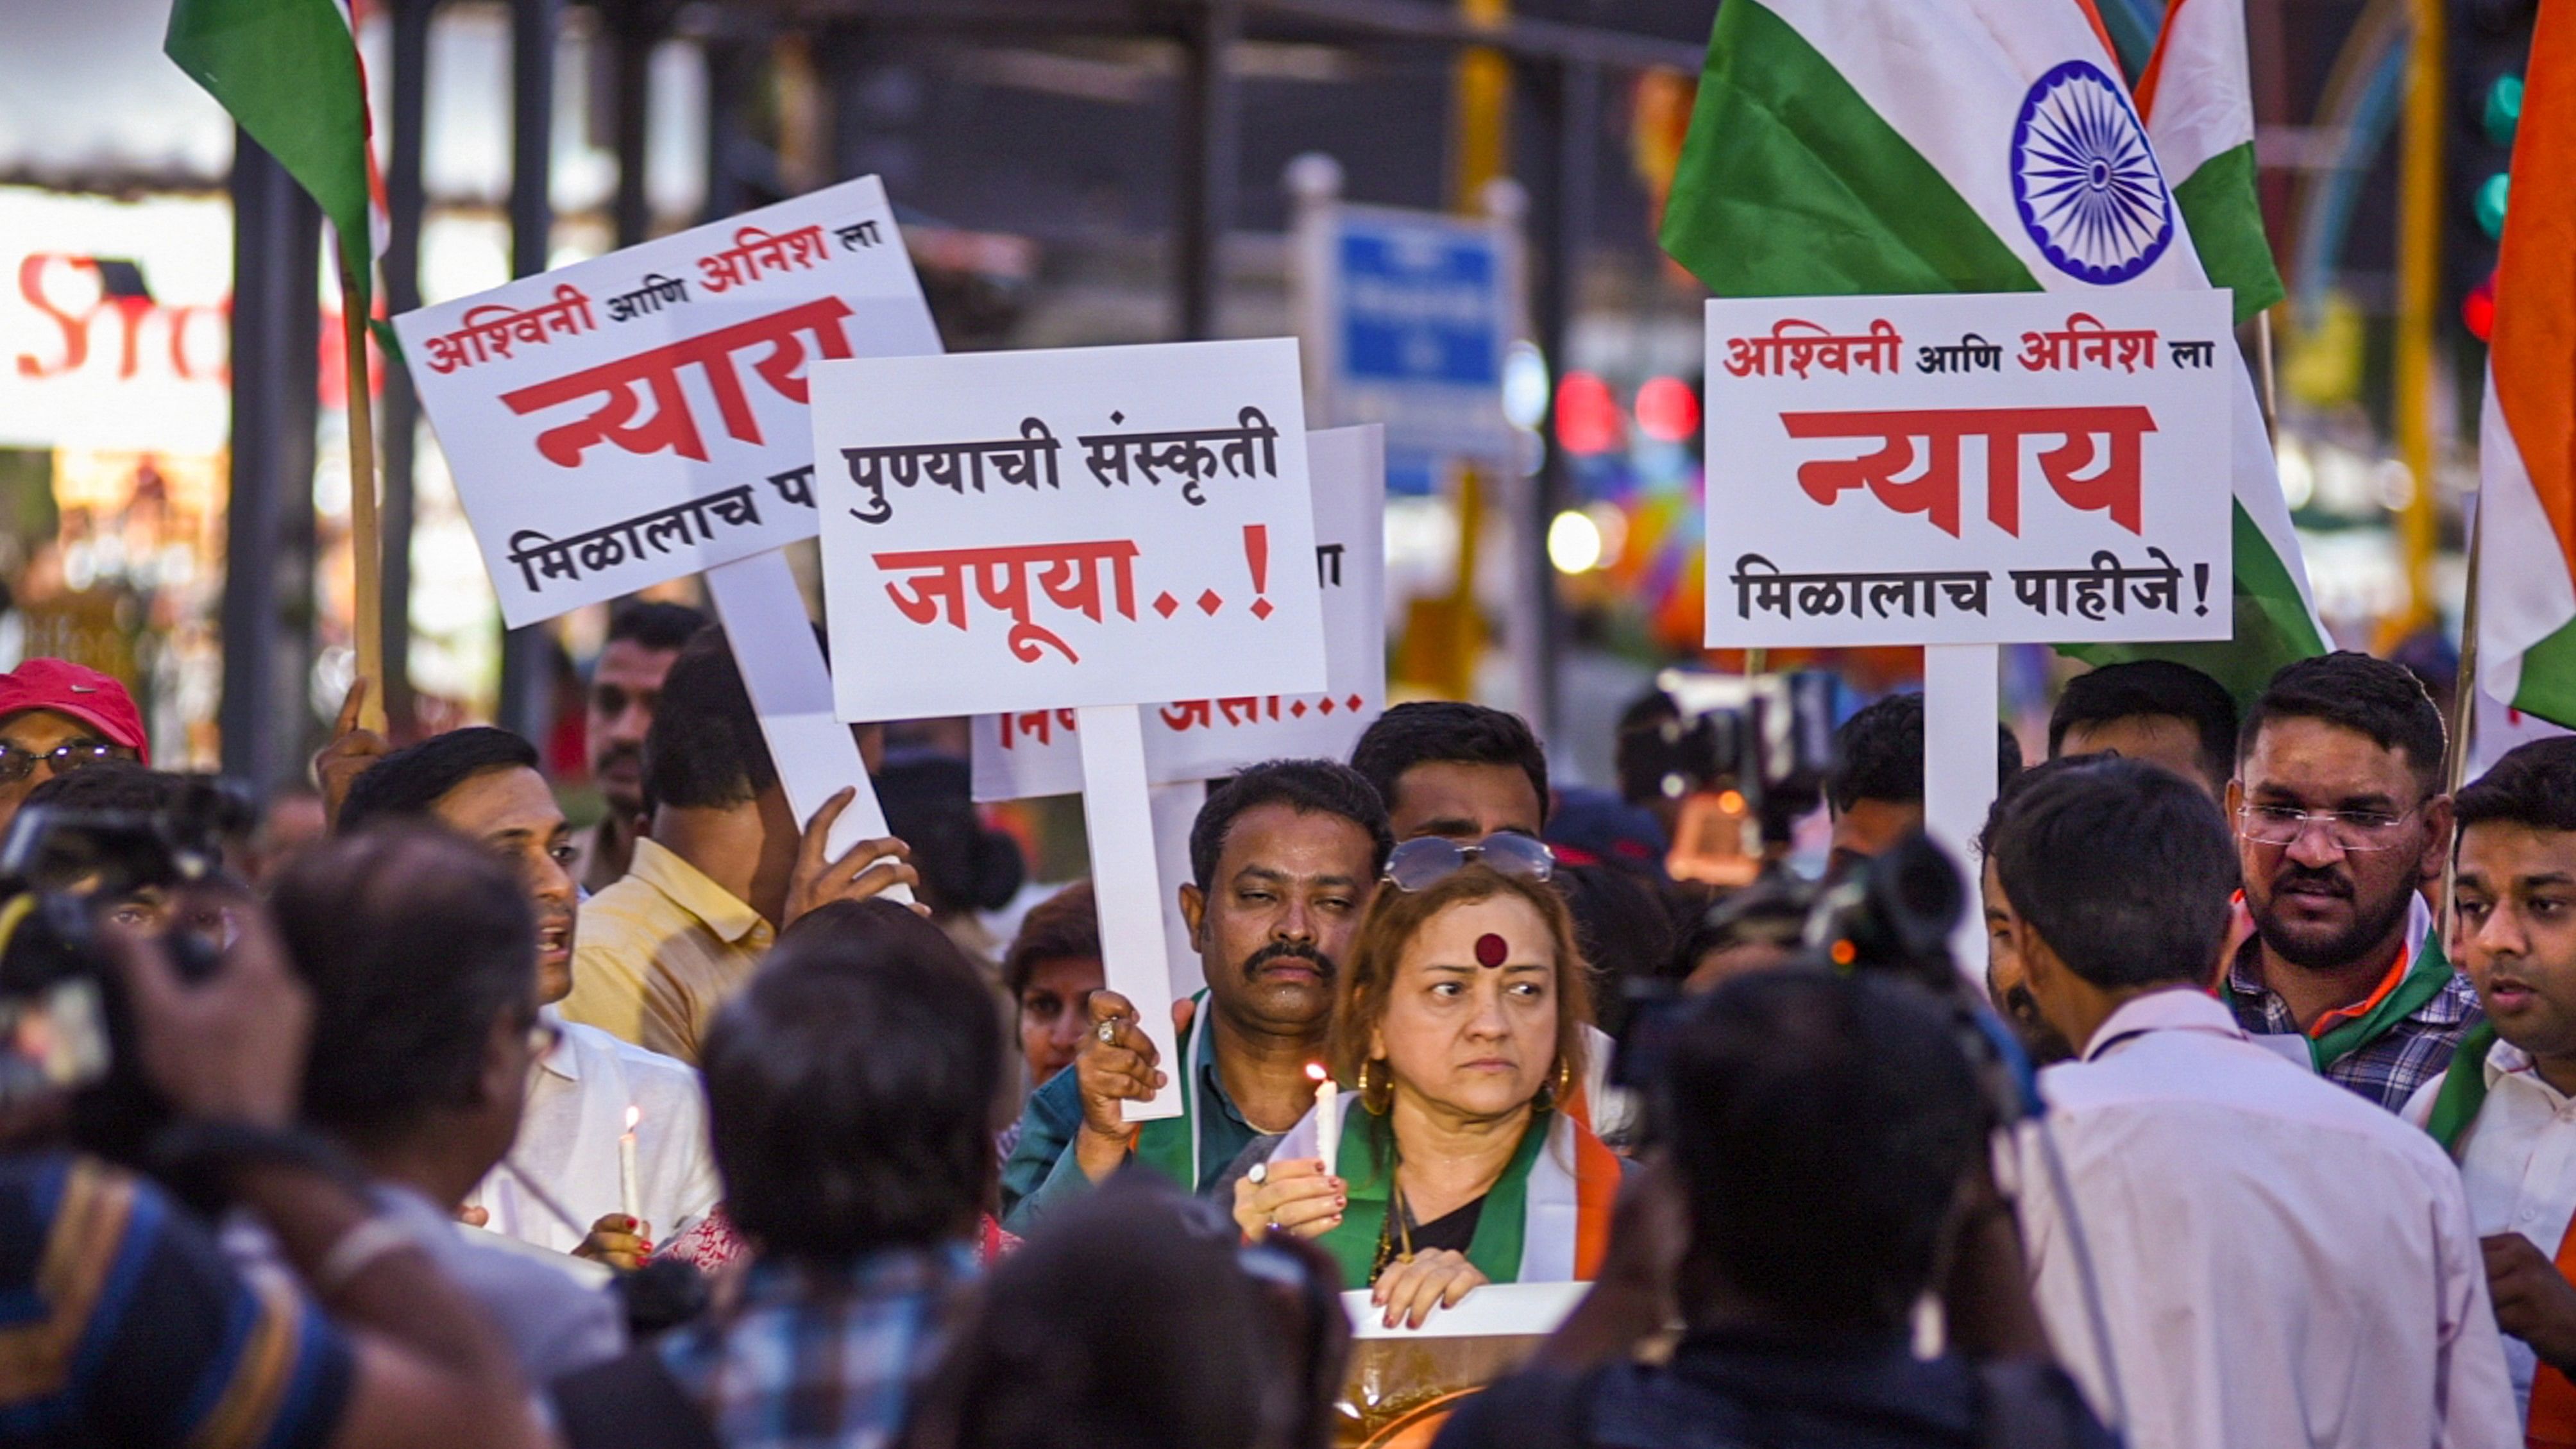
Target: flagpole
<point>2263,354</point>
<point>366,537</point>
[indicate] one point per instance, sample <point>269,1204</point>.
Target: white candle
<point>631,1201</point>
<point>1328,1115</point>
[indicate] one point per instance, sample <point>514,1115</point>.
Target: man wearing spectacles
<point>55,717</point>
<point>2341,827</point>
<point>1283,860</point>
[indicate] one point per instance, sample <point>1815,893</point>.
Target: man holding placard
<point>1284,859</point>
<point>722,871</point>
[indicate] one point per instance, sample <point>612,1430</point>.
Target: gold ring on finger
<point>1108,1033</point>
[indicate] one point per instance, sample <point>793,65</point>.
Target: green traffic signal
<point>2504,109</point>
<point>2491,203</point>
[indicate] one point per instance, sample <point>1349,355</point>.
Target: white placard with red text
<point>1034,753</point>
<point>2020,467</point>
<point>1012,531</point>
<point>630,419</point>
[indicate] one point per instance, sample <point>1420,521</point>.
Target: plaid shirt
<point>812,1357</point>
<point>2387,1071</point>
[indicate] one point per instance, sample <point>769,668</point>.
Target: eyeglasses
<point>1418,864</point>
<point>17,762</point>
<point>2351,830</point>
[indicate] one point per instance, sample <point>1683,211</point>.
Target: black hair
<point>112,785</point>
<point>2533,785</point>
<point>1878,755</point>
<point>654,625</point>
<point>1623,930</point>
<point>851,1088</point>
<point>2152,687</point>
<point>407,783</point>
<point>1064,926</point>
<point>2124,869</point>
<point>1310,787</point>
<point>414,942</point>
<point>929,805</point>
<point>1448,732</point>
<point>705,750</point>
<point>1205,1354</point>
<point>1847,1096</point>
<point>2368,696</point>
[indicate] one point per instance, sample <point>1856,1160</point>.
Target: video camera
<point>63,871</point>
<point>1745,756</point>
<point>1893,915</point>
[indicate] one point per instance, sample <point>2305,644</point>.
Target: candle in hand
<point>632,1202</point>
<point>1328,1115</point>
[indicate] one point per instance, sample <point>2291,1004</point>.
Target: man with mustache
<point>625,688</point>
<point>2341,828</point>
<point>2502,1107</point>
<point>483,784</point>
<point>1283,859</point>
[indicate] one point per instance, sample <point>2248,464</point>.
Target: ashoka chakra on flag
<point>2085,179</point>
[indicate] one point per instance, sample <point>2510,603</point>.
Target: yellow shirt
<point>655,954</point>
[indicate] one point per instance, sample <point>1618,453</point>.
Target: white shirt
<point>577,1101</point>
<point>2518,1163</point>
<point>2281,1262</point>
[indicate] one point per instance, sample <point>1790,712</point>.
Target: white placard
<point>1126,889</point>
<point>1013,531</point>
<point>630,419</point>
<point>1034,752</point>
<point>1488,1310</point>
<point>2002,468</point>
<point>1176,813</point>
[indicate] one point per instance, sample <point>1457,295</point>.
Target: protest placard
<point>2024,467</point>
<point>534,387</point>
<point>640,416</point>
<point>1092,530</point>
<point>1034,753</point>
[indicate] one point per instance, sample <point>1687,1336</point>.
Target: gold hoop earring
<point>1369,1097</point>
<point>1563,1083</point>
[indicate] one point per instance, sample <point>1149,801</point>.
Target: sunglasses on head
<point>1417,864</point>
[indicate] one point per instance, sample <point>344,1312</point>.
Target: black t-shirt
<point>1740,1391</point>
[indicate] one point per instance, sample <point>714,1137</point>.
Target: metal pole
<point>2419,286</point>
<point>632,32</point>
<point>1210,154</point>
<point>268,515</point>
<point>1570,112</point>
<point>406,202</point>
<point>527,686</point>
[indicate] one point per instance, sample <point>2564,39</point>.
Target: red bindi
<point>1492,950</point>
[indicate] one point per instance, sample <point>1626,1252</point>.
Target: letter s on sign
<point>31,285</point>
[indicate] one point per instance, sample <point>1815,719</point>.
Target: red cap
<point>79,691</point>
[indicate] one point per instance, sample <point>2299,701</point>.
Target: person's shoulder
<point>1535,1408</point>
<point>638,1064</point>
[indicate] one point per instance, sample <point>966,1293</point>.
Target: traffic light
<point>2491,44</point>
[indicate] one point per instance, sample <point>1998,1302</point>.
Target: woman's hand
<point>1436,1278</point>
<point>1293,1196</point>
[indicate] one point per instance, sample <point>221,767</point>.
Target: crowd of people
<point>457,1126</point>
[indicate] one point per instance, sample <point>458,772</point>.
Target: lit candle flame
<point>1315,1072</point>
<point>633,1116</point>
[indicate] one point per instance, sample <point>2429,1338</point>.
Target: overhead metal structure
<point>1561,70</point>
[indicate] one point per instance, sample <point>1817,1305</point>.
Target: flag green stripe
<point>2548,687</point>
<point>2272,626</point>
<point>2218,202</point>
<point>1792,185</point>
<point>287,70</point>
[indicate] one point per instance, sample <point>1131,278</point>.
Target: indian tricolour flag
<point>1878,146</point>
<point>2527,435</point>
<point>2198,102</point>
<point>289,72</point>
